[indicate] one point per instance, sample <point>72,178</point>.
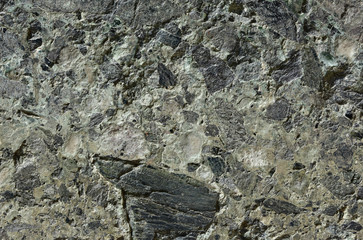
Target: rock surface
<point>128,119</point>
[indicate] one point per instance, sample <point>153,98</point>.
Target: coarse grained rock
<point>181,119</point>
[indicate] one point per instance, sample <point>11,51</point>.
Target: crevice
<point>112,158</point>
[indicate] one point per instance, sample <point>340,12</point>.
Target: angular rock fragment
<point>217,165</point>
<point>360,193</point>
<point>311,68</point>
<point>113,169</point>
<point>232,124</point>
<point>112,72</point>
<point>353,226</point>
<point>211,130</point>
<point>96,119</point>
<point>166,77</point>
<point>343,156</point>
<point>331,210</point>
<point>98,193</point>
<point>276,15</point>
<point>191,117</point>
<point>26,178</point>
<point>279,110</point>
<point>192,167</point>
<point>165,204</point>
<point>217,74</point>
<point>337,188</point>
<point>289,69</point>
<point>236,7</point>
<point>224,38</point>
<point>170,36</point>
<point>280,206</point>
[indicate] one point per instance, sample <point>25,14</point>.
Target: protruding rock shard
<point>164,204</point>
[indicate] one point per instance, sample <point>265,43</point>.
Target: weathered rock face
<point>178,119</point>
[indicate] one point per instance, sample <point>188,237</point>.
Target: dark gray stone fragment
<point>360,193</point>
<point>112,72</point>
<point>96,119</point>
<point>217,74</point>
<point>312,71</point>
<point>52,57</point>
<point>211,130</point>
<point>191,117</point>
<point>192,167</point>
<point>98,193</point>
<point>149,218</point>
<point>75,35</point>
<point>202,56</point>
<point>279,110</point>
<point>337,188</point>
<point>289,69</point>
<point>26,178</point>
<point>331,210</point>
<point>65,195</point>
<point>236,7</point>
<point>343,156</point>
<point>277,15</point>
<point>166,204</point>
<point>170,36</point>
<point>94,225</point>
<point>298,166</point>
<point>35,43</point>
<point>113,169</point>
<point>166,78</point>
<point>280,206</point>
<point>8,195</point>
<point>231,123</point>
<point>352,226</point>
<point>217,165</point>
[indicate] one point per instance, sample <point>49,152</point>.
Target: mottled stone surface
<point>176,119</point>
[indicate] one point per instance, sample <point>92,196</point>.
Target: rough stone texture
<point>176,119</point>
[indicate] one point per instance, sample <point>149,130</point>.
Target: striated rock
<point>168,205</point>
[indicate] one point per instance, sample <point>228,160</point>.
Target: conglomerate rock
<point>176,119</point>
